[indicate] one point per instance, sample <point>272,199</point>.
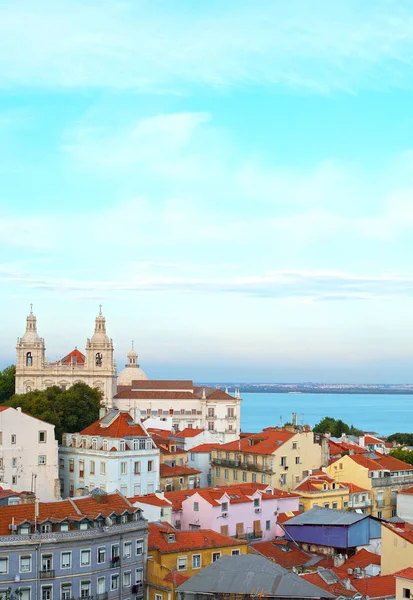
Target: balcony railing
<point>246,465</point>
<point>248,536</point>
<point>102,596</point>
<point>386,481</point>
<point>46,574</point>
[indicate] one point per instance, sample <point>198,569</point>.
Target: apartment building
<point>114,453</point>
<point>382,476</point>
<point>276,457</point>
<point>90,547</point>
<point>319,489</point>
<point>28,454</point>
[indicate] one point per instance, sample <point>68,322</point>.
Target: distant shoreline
<point>274,389</point>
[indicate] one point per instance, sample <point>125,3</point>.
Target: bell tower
<point>99,361</point>
<point>30,356</point>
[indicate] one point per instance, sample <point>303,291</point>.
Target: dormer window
<point>122,445</point>
<point>64,526</point>
<point>256,502</point>
<point>105,444</point>
<point>94,444</point>
<point>325,486</point>
<point>224,506</point>
<point>171,538</point>
<point>25,530</point>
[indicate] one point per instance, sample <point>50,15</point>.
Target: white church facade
<point>96,367</point>
<point>187,405</point>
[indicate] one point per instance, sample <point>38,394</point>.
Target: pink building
<point>248,511</point>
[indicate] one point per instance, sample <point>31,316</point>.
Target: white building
<point>114,453</point>
<point>405,504</point>
<point>28,454</point>
<point>96,368</point>
<point>189,406</point>
<point>189,438</point>
<point>200,458</point>
<point>155,507</point>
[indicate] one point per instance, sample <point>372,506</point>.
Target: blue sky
<point>232,181</point>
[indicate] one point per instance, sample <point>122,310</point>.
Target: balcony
<point>102,596</point>
<point>387,481</point>
<point>248,536</point>
<point>236,464</point>
<point>115,562</point>
<point>47,574</point>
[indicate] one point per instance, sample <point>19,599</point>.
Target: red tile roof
<point>362,559</point>
<point>75,509</point>
<point>212,393</point>
<point>382,586</point>
<point>353,488</point>
<point>119,428</point>
<point>154,395</point>
<point>287,555</point>
<point>177,471</point>
<point>4,408</point>
<point>204,448</point>
<point>266,442</point>
<point>176,578</point>
<point>405,491</point>
<point>405,573</point>
<point>404,530</point>
<point>284,517</point>
<point>314,483</point>
<point>188,433</point>
<point>381,462</point>
<point>178,497</point>
<point>187,540</point>
<point>163,384</point>
<point>369,439</point>
<point>338,588</point>
<point>151,499</point>
<point>74,354</point>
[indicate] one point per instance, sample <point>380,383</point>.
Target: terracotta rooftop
<point>315,483</point>
<point>177,471</point>
<point>151,499</point>
<point>121,427</point>
<point>369,439</point>
<point>404,530</point>
<point>188,433</point>
<point>128,393</point>
<point>163,384</point>
<point>337,588</point>
<point>178,497</point>
<point>381,586</point>
<point>405,573</point>
<point>266,442</point>
<point>362,559</point>
<point>287,555</point>
<point>353,488</point>
<point>284,517</point>
<point>380,462</point>
<point>204,448</point>
<point>198,539</point>
<point>176,578</point>
<point>405,491</point>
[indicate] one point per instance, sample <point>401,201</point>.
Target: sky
<point>232,181</point>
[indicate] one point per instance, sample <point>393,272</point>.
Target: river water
<point>382,413</point>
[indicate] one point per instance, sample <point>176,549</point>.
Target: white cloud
<point>149,46</point>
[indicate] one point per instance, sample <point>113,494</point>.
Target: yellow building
<point>276,457</point>
<point>382,476</point>
<point>404,584</point>
<point>396,547</point>
<point>174,556</point>
<point>319,489</point>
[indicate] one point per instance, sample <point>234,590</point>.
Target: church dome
<point>132,371</point>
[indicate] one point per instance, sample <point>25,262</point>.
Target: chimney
<point>339,560</point>
<point>136,415</point>
<point>27,498</point>
<point>347,583</point>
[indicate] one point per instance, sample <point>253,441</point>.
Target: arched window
<point>98,359</point>
<point>29,359</point>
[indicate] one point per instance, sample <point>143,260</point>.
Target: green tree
<point>7,383</point>
<point>336,427</point>
<point>404,455</point>
<point>326,425</point>
<point>401,438</point>
<point>68,410</point>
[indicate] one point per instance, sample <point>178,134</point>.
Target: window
<point>210,425</point>
<point>47,562</point>
<point>283,479</point>
<point>103,468</point>
<point>150,466</point>
<point>14,462</point>
<point>235,475</point>
<point>182,563</point>
<point>218,471</point>
<point>253,477</point>
<point>158,596</point>
<point>235,552</point>
<point>46,528</point>
<point>335,505</point>
<point>66,560</point>
<point>84,525</point>
<point>66,591</point>
<point>139,575</point>
<point>64,526</point>
<point>326,504</point>
<point>14,479</point>
<point>25,530</point>
<point>105,444</point>
<point>196,506</point>
<point>267,525</point>
<point>244,476</point>
<point>192,456</point>
<point>127,549</point>
<point>345,504</point>
<point>101,555</point>
<point>216,556</point>
<point>297,460</point>
<point>379,514</point>
<point>283,461</point>
<point>85,558</point>
<point>42,436</point>
<point>29,359</point>
<point>139,547</point>
<point>123,468</point>
<point>196,561</point>
<point>47,592</point>
<point>84,589</point>
<point>406,593</point>
<point>42,459</point>
<point>137,467</point>
<point>92,467</point>
<point>224,506</point>
<point>294,445</point>
<point>127,579</point>
<point>263,479</point>
<point>25,564</point>
<point>230,412</point>
<point>210,412</point>
<point>226,474</point>
<point>13,438</point>
<point>256,502</point>
<point>122,445</point>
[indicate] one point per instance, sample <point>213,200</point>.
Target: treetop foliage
<point>406,439</point>
<point>7,383</point>
<point>68,410</point>
<point>336,427</point>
